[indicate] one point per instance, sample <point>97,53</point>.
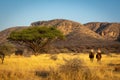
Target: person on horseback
<point>98,55</point>
<point>91,55</point>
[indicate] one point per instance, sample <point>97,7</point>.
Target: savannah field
<point>62,66</point>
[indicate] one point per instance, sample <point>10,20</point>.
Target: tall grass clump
<point>74,69</point>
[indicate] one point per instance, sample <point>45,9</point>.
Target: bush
<point>7,48</point>
<point>74,69</point>
<point>72,65</point>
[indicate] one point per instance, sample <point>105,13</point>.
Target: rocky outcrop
<point>110,31</point>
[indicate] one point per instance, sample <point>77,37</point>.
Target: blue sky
<point>23,12</point>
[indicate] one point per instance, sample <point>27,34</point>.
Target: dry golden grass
<point>46,67</point>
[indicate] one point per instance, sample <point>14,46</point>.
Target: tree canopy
<point>7,48</point>
<point>36,37</point>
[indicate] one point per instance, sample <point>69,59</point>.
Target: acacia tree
<point>6,49</point>
<point>36,38</point>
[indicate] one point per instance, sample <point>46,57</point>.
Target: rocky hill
<point>78,36</point>
<point>75,32</point>
<point>110,31</point>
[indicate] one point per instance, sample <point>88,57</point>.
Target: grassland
<point>69,66</point>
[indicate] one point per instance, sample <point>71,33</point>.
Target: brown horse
<point>91,55</point>
<point>2,56</point>
<point>98,55</point>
